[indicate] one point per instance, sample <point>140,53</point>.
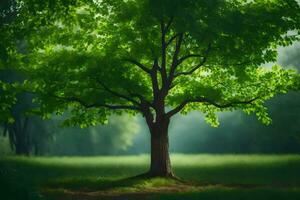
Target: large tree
<point>157,58</point>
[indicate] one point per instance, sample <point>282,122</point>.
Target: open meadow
<point>201,177</point>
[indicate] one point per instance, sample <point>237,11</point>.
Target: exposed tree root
<point>149,175</point>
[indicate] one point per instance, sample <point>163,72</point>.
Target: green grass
<point>210,177</point>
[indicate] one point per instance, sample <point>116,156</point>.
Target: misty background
<point>237,133</point>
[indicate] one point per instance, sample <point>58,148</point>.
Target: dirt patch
<point>120,193</point>
<point>133,193</point>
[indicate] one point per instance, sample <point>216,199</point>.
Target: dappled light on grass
<point>239,169</point>
<point>202,175</point>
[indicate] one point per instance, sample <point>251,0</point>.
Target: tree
<point>20,128</point>
<point>157,58</point>
<point>26,133</point>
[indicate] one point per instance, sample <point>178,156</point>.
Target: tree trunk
<point>21,138</point>
<point>21,146</point>
<point>160,160</point>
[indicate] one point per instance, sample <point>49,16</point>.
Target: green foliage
<point>261,83</point>
<point>79,52</point>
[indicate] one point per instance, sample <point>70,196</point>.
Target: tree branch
<point>97,105</point>
<point>138,64</point>
<point>154,80</point>
<point>209,101</point>
<point>172,39</point>
<point>175,59</point>
<point>117,94</point>
<point>190,72</point>
<point>169,25</point>
<point>141,97</point>
<point>182,59</point>
<point>163,53</point>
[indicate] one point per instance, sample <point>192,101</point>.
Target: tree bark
<point>160,159</point>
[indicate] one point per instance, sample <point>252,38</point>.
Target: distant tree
<point>157,58</point>
<point>27,133</point>
<point>111,139</point>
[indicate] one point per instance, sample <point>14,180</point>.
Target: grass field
<point>234,177</point>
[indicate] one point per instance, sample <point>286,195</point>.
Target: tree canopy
<point>95,58</point>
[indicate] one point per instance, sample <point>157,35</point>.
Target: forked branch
<point>138,64</point>
<point>143,100</point>
<point>172,39</point>
<point>203,61</point>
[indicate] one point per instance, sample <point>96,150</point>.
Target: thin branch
<point>163,53</point>
<point>117,94</point>
<point>209,101</point>
<point>191,71</point>
<point>182,59</point>
<point>155,85</point>
<point>169,25</point>
<point>138,64</point>
<point>175,59</point>
<point>173,86</point>
<point>172,39</point>
<point>97,105</point>
<point>141,97</point>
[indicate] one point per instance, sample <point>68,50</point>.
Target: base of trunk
<point>159,174</point>
<point>154,175</point>
<point>160,159</point>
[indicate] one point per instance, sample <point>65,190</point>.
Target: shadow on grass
<point>128,188</point>
<point>103,184</point>
<point>214,177</point>
<point>161,188</point>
